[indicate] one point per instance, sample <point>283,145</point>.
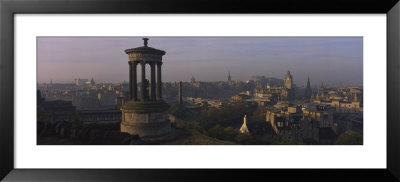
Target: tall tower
<point>308,90</point>
<point>147,117</point>
<point>180,93</point>
<point>288,80</point>
<point>229,76</point>
<point>288,91</point>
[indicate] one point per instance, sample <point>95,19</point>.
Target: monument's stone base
<point>146,119</point>
<point>146,129</point>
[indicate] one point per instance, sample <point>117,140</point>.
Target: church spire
<point>308,82</point>
<point>229,76</point>
<point>92,81</point>
<point>193,80</point>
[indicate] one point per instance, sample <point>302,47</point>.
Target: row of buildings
<point>317,117</point>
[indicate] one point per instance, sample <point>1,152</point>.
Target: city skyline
<point>331,60</point>
<point>145,111</point>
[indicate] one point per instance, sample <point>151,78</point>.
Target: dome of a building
<point>145,49</point>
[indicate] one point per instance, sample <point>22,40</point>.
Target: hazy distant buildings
<point>84,82</point>
<point>79,81</point>
<point>271,95</point>
<point>240,97</point>
<point>204,103</point>
<point>344,100</point>
<point>54,111</point>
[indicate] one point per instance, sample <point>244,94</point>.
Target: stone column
<point>159,94</point>
<point>130,80</point>
<point>134,81</point>
<point>153,81</point>
<point>143,80</point>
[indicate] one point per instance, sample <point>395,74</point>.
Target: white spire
<point>244,129</point>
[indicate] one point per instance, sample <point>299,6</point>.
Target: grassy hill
<point>196,138</point>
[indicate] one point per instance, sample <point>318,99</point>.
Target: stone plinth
<point>146,119</point>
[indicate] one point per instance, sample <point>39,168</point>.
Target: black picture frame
<point>8,8</point>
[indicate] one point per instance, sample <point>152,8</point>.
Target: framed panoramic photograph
<point>215,109</point>
<point>101,92</point>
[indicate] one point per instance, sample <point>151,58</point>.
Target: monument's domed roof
<point>145,49</point>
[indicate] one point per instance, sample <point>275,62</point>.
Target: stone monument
<point>147,116</point>
<point>180,101</point>
<point>244,129</point>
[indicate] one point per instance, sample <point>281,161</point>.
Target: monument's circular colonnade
<point>147,116</point>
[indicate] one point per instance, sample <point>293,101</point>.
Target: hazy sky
<point>325,59</point>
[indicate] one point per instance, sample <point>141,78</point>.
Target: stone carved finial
<point>145,41</point>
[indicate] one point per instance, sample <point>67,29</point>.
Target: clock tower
<point>288,80</point>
